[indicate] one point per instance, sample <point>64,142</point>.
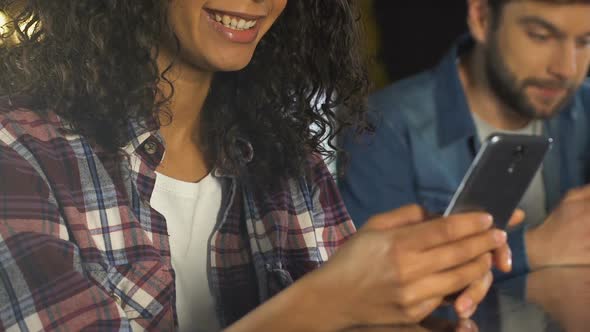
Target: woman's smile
<point>236,27</point>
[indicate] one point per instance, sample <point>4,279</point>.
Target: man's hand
<point>564,237</point>
<point>564,293</point>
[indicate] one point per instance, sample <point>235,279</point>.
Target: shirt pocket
<point>143,290</point>
<point>434,200</point>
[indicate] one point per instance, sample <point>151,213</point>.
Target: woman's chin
<point>230,66</point>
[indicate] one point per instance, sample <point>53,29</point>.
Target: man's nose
<point>564,64</point>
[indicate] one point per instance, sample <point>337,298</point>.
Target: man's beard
<point>512,93</point>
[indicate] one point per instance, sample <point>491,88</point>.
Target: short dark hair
<point>497,5</point>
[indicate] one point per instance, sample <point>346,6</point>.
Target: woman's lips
<point>236,27</point>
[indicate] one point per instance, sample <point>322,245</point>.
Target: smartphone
<point>500,175</point>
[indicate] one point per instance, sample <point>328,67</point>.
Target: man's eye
<point>538,36</point>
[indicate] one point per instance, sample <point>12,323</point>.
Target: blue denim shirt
<point>426,139</point>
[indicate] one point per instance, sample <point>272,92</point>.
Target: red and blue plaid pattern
<point>81,248</point>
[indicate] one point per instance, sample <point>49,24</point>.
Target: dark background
<point>412,35</point>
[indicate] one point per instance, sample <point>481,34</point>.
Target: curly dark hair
<point>92,62</point>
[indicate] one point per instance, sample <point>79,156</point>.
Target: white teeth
<point>234,22</point>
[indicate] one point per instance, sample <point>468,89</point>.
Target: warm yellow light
<point>3,28</point>
<point>3,21</point>
<point>7,35</point>
<point>32,29</point>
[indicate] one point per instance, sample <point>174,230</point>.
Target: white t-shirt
<point>533,201</point>
<point>191,211</point>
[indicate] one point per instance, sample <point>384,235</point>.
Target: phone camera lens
<point>519,152</point>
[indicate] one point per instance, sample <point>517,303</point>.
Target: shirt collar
<point>453,116</point>
<point>139,132</point>
<point>454,121</point>
<point>245,152</point>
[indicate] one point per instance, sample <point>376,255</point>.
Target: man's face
<point>537,55</point>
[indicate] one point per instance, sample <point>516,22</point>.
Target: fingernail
<point>466,326</point>
<point>468,313</point>
<point>500,236</point>
<point>465,304</point>
<point>487,220</point>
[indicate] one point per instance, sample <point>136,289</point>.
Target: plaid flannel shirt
<point>81,248</point>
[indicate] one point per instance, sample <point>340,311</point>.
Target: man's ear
<point>479,18</point>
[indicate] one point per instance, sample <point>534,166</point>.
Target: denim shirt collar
<point>454,122</point>
<point>454,119</point>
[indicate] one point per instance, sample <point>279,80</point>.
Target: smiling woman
<point>105,65</point>
<point>158,172</point>
<point>230,87</point>
<point>222,44</point>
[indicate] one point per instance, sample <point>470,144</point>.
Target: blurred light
<point>10,37</point>
<point>3,21</point>
<point>5,30</point>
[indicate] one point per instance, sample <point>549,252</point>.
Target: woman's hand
<point>395,270</point>
<point>398,269</point>
<point>466,302</point>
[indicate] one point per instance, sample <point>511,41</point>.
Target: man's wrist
<point>534,255</point>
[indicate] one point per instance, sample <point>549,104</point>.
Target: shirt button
<point>150,147</point>
<point>117,299</point>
